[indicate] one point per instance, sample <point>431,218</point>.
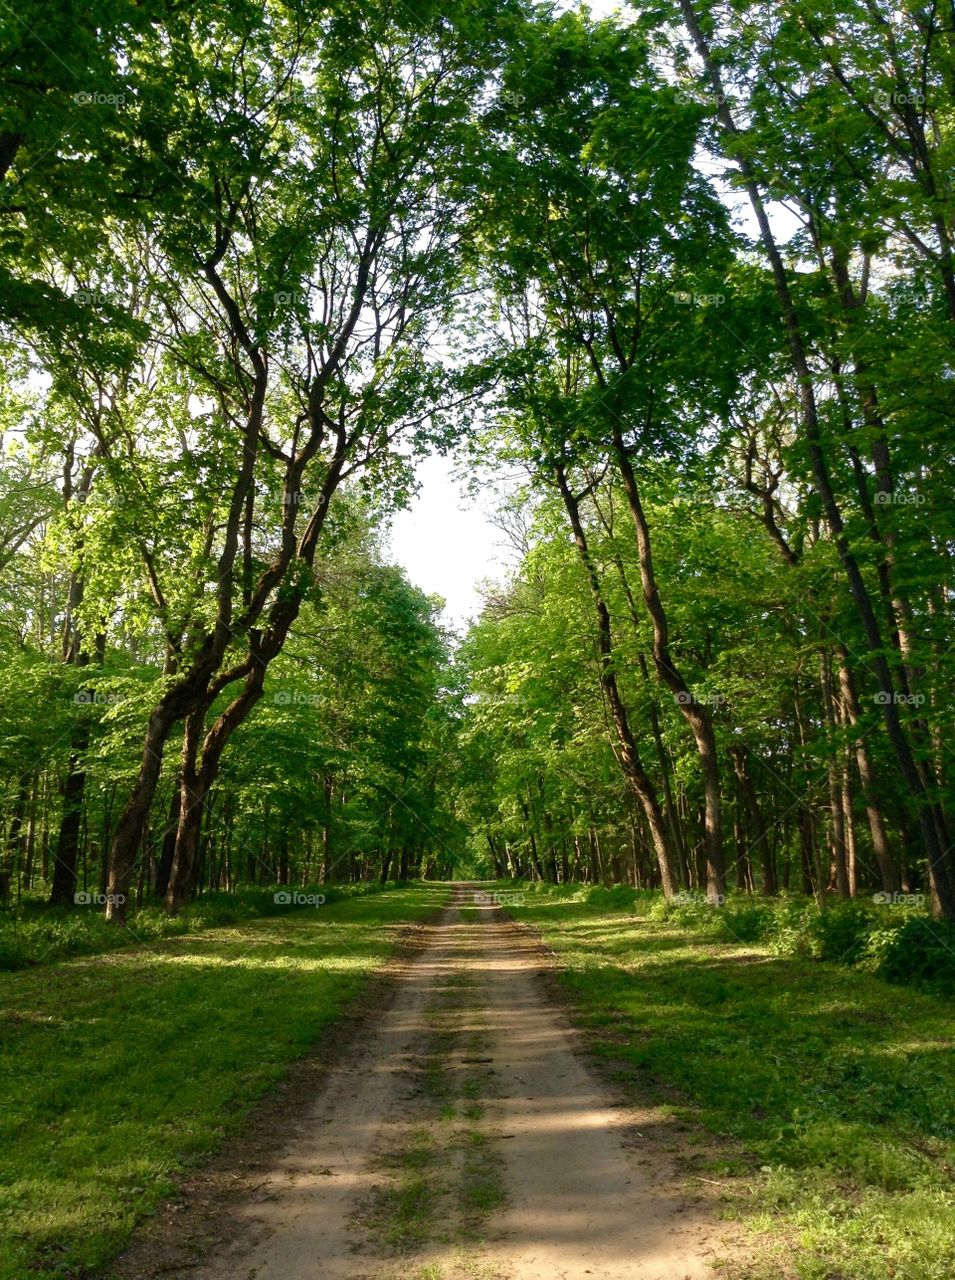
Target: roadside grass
<point>33,933</point>
<point>836,1089</point>
<point>120,1070</point>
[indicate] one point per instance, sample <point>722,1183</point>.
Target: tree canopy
<point>685,270</point>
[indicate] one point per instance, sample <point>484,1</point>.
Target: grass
<point>32,933</point>
<point>834,1091</point>
<point>443,1178</point>
<point>406,1207</point>
<point>120,1070</point>
<point>894,938</point>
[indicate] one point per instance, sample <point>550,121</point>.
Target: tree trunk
<point>696,715</point>
<point>164,867</point>
<point>129,830</point>
<point>768,884</point>
<point>852,853</point>
<point>65,857</point>
<point>837,825</point>
<point>629,757</point>
<point>877,828</point>
<point>192,794</point>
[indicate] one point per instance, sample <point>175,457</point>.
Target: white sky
<point>446,542</point>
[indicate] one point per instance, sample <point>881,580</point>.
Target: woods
<point>686,274</point>
<point>259,316</point>
<point>669,290</point>
<point>747,449</point>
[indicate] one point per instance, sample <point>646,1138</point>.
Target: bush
<point>620,898</point>
<point>570,890</point>
<point>918,950</point>
<point>153,923</point>
<point>792,926</point>
<point>742,921</point>
<point>840,931</point>
<point>33,936</point>
<point>13,955</point>
<point>695,913</point>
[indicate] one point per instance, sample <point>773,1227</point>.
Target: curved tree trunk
<point>192,796</point>
<point>629,757</point>
<point>696,715</point>
<point>132,823</point>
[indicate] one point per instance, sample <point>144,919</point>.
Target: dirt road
<point>464,1135</point>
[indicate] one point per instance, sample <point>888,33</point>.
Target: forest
<point>673,285</point>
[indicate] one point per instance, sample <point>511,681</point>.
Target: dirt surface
<point>462,1133</point>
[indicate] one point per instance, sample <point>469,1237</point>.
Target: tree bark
<point>877,828</point>
<point>768,884</point>
<point>696,715</point>
<point>630,761</point>
<point>837,826</point>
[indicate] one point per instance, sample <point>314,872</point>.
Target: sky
<point>447,542</point>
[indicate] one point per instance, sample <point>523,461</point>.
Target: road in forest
<point>465,1135</point>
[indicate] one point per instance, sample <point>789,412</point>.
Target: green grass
<point>835,1090</point>
<point>120,1070</point>
<point>443,1178</point>
<point>897,939</point>
<point>405,1209</point>
<point>32,933</point>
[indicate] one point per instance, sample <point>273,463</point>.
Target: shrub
<point>840,931</point>
<point>33,933</point>
<point>690,911</point>
<point>742,921</point>
<point>917,950</point>
<point>13,953</point>
<point>620,898</point>
<point>791,935</point>
<point>33,936</point>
